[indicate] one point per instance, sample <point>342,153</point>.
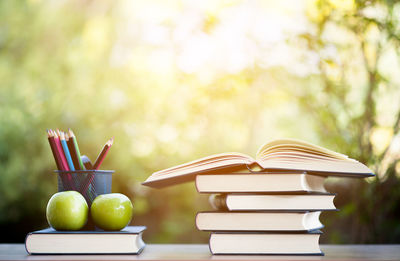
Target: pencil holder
<point>90,183</point>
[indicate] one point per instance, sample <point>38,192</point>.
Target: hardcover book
<point>244,202</point>
<point>266,243</point>
<point>50,241</point>
<point>258,221</point>
<point>257,183</point>
<point>278,155</point>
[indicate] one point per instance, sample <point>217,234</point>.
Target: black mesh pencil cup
<point>90,183</point>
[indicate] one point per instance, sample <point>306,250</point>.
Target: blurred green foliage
<point>119,69</point>
<point>354,103</point>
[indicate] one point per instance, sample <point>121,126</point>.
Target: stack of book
<point>276,213</point>
<point>267,205</point>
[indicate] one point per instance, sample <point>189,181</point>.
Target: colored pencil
<point>74,150</point>
<point>70,144</point>
<point>50,137</point>
<point>64,164</point>
<point>68,184</point>
<point>56,155</point>
<point>103,154</point>
<point>96,166</point>
<point>66,151</point>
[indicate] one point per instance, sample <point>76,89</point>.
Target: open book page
<point>186,172</point>
<point>297,145</point>
<point>300,155</point>
<point>317,166</point>
<point>279,155</point>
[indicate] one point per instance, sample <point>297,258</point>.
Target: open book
<point>273,157</point>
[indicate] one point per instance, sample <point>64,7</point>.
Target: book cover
<point>264,243</point>
<point>272,202</point>
<point>260,183</point>
<point>50,241</point>
<point>258,221</point>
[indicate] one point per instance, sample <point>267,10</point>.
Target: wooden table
<point>201,252</point>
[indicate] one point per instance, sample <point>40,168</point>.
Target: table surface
<point>201,252</point>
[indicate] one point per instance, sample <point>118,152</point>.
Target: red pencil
<point>60,151</point>
<point>98,162</point>
<point>50,137</point>
<point>62,160</point>
<point>103,154</point>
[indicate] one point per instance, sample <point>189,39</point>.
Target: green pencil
<point>76,148</point>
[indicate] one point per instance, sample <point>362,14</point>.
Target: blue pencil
<point>66,151</point>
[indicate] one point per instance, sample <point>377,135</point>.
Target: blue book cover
<point>50,241</point>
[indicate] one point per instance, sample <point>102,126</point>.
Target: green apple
<point>111,211</point>
<point>67,210</point>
